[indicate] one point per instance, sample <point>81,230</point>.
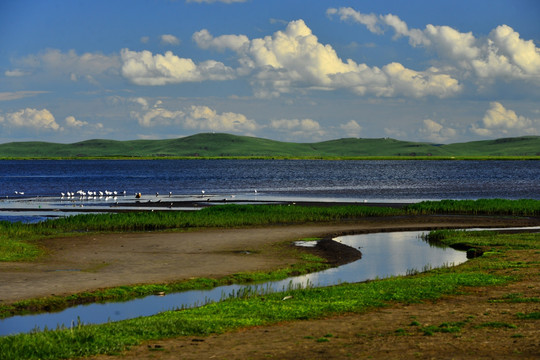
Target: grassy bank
<point>494,268</point>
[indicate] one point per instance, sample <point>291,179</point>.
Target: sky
<point>295,71</point>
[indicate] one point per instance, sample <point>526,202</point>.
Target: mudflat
<point>90,262</point>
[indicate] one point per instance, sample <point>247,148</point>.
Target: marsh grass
<point>523,207</point>
<point>488,240</point>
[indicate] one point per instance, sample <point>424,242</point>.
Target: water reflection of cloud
<point>388,254</point>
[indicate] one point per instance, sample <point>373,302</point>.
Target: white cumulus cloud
<point>298,128</point>
<point>158,116</point>
<point>503,54</point>
<point>73,123</point>
<point>351,128</point>
<point>198,117</point>
<point>499,121</point>
<point>295,59</point>
<point>31,118</point>
<point>205,40</point>
<point>205,118</point>
<point>369,20</point>
<point>437,132</point>
<point>145,68</point>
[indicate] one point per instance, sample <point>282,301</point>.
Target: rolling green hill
<point>226,145</point>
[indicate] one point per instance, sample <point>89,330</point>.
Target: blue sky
<point>303,71</point>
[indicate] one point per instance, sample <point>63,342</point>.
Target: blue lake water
<point>319,180</point>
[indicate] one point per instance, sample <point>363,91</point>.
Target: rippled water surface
<point>372,180</point>
<point>43,181</point>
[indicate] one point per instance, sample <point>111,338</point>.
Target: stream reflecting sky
<point>383,255</point>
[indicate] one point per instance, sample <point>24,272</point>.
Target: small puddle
<point>383,255</point>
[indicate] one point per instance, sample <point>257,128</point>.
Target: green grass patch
<point>237,312</point>
<point>516,298</point>
<point>535,315</point>
<point>484,239</point>
<point>523,207</point>
<point>446,327</point>
<point>496,325</point>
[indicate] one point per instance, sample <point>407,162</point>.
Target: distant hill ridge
<point>227,145</point>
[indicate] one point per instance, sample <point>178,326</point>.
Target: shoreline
<point>96,261</point>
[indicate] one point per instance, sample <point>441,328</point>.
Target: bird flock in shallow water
<point>91,194</point>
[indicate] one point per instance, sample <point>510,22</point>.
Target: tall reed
<point>522,207</point>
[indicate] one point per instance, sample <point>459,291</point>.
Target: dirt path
<point>91,262</point>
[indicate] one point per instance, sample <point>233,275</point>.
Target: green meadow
<point>259,308</point>
<point>245,309</point>
<point>208,145</point>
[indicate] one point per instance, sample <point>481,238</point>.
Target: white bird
<point>63,194</point>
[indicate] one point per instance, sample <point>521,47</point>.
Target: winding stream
<point>383,255</point>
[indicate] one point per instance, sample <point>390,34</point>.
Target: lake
<point>43,181</point>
